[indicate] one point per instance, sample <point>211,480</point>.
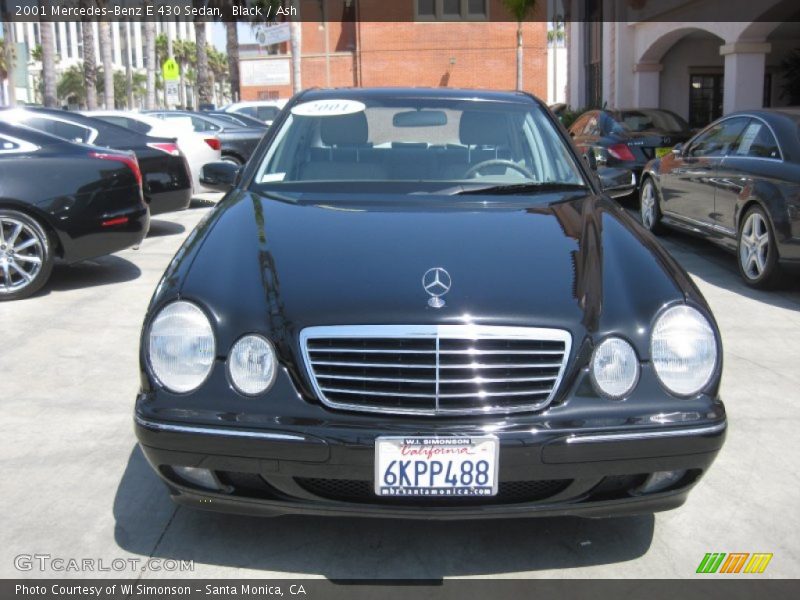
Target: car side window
<point>757,141</point>
<point>67,131</point>
<point>202,125</point>
<point>267,113</point>
<point>718,140</point>
<point>250,111</point>
<point>7,145</point>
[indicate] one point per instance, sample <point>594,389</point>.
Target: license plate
<point>436,466</point>
<point>662,152</point>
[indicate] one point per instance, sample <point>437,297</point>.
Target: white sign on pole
<point>171,88</point>
<point>267,35</point>
<point>265,72</point>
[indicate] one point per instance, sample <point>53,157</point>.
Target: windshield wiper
<point>521,188</point>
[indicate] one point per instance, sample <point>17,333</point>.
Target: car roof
<point>387,93</point>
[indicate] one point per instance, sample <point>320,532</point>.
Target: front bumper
<point>327,469</point>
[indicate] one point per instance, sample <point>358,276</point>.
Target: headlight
<point>181,347</point>
<point>252,365</point>
<point>615,367</point>
<point>684,350</point>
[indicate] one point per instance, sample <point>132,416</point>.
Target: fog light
<point>661,480</point>
<point>199,477</point>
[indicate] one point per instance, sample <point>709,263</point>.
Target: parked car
<point>237,142</point>
<point>239,119</point>
<point>420,304</point>
<point>628,138</point>
<point>264,110</point>
<point>167,183</point>
<point>737,184</point>
<point>60,200</point>
<point>198,148</point>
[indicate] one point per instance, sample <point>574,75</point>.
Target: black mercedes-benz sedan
<point>238,141</point>
<point>166,179</point>
<point>736,183</point>
<point>628,138</point>
<point>419,303</point>
<point>60,200</point>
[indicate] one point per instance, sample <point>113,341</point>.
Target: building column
<point>646,85</point>
<point>744,75</point>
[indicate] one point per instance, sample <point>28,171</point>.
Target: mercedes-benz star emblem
<point>436,282</point>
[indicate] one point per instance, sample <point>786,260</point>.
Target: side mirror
<point>220,176</point>
<point>677,149</point>
<point>617,182</point>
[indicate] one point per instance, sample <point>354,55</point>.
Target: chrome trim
<point>646,435</point>
<point>434,333</point>
<point>264,435</point>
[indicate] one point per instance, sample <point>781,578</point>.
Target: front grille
<point>436,369</point>
<point>508,492</point>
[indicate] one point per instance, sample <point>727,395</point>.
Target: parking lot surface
<point>76,486</point>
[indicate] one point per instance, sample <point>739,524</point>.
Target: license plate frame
<point>423,449</point>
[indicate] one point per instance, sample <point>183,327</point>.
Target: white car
<point>198,148</point>
<point>263,110</point>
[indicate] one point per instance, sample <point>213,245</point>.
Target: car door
<point>754,157</point>
<point>689,180</point>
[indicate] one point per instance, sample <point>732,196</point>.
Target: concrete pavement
<point>75,485</point>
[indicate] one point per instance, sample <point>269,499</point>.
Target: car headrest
<point>480,128</point>
<point>344,130</point>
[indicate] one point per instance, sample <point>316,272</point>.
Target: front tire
<point>649,208</point>
<point>757,250</point>
<point>26,257</point>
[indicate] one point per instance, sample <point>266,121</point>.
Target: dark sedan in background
<point>62,200</point>
<point>239,119</point>
<point>424,306</point>
<point>628,138</point>
<point>166,179</point>
<point>736,183</point>
<point>238,141</point>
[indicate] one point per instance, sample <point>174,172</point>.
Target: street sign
<point>171,70</point>
<point>171,89</point>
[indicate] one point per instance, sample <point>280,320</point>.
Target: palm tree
<point>7,58</point>
<point>150,63</point>
<point>232,47</point>
<point>104,30</point>
<point>295,42</point>
<point>89,59</point>
<point>162,54</point>
<point>184,52</point>
<point>71,85</point>
<point>48,64</point>
<point>218,66</point>
<point>203,81</point>
<point>519,9</point>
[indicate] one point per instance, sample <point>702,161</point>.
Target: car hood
<point>579,264</point>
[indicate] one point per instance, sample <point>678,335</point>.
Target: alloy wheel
<point>648,205</point>
<point>754,246</point>
<point>21,255</point>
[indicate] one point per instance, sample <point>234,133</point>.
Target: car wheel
<point>648,206</point>
<point>757,251</point>
<point>229,158</point>
<point>26,259</point>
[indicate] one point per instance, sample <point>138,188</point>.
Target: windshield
<point>648,120</point>
<point>416,141</point>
